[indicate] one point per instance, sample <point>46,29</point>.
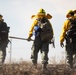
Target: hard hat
<point>41,12</point>
<point>70,12</point>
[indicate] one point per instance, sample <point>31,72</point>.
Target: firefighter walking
<point>39,43</point>
<point>69,35</point>
<point>3,39</point>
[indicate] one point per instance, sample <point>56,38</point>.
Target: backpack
<point>46,32</point>
<point>4,30</point>
<point>71,33</point>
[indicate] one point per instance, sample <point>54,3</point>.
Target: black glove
<point>62,44</point>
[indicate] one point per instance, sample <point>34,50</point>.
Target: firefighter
<point>3,39</point>
<point>38,44</point>
<point>64,36</point>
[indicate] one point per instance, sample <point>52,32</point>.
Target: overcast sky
<point>17,14</point>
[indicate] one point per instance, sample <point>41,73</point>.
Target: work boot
<point>35,66</point>
<point>69,67</point>
<point>34,63</point>
<point>44,66</point>
<point>45,70</point>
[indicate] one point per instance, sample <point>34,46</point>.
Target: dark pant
<point>3,46</point>
<point>43,47</point>
<point>70,50</point>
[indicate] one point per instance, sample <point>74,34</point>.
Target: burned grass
<point>24,68</point>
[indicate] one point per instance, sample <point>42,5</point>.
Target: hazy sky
<point>17,14</point>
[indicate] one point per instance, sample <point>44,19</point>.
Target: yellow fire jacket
<point>34,24</point>
<point>65,28</point>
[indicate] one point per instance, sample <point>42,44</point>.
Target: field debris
<point>23,68</point>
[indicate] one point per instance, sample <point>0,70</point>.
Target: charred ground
<point>25,68</point>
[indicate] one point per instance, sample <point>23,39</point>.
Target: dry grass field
<point>24,68</point>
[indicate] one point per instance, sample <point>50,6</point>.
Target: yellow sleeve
<point>32,27</point>
<point>65,28</point>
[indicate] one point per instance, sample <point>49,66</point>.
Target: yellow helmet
<point>71,12</point>
<point>41,12</point>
